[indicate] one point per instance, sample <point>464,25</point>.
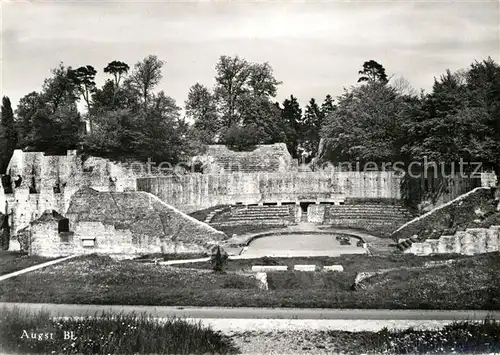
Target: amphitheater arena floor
<point>300,245</point>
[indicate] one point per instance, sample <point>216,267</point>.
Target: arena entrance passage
<point>304,205</point>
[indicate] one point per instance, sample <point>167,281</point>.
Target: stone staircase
<point>382,217</point>
<point>471,241</point>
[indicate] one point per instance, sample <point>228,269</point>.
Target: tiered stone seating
<point>380,217</point>
<point>258,214</point>
<point>264,158</point>
<point>248,164</point>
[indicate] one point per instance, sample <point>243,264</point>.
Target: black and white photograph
<point>249,177</point>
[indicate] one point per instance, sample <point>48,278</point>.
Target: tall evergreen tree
<point>313,119</point>
<point>291,115</point>
<point>373,72</point>
<point>327,107</point>
<point>8,138</point>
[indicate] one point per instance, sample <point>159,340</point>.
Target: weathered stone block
<point>304,267</point>
<point>262,280</point>
<point>339,268</point>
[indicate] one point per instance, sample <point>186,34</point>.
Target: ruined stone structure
<point>264,158</point>
<point>469,242</point>
<point>268,175</point>
<point>119,223</point>
<point>41,183</point>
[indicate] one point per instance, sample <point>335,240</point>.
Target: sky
<point>315,48</point>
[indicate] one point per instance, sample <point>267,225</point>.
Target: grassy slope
<point>473,283</point>
<point>11,261</point>
<point>201,215</point>
<point>459,215</point>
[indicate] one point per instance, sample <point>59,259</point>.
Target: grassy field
<point>11,261</point>
<point>166,257</point>
<point>470,283</point>
<point>351,263</point>
<point>108,334</point>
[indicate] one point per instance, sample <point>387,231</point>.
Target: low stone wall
<point>472,241</point>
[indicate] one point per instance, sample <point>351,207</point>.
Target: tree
<point>202,109</point>
<point>219,260</point>
<point>8,137</point>
<point>403,87</point>
<point>241,138</point>
<point>434,117</point>
<point>60,89</point>
<point>327,107</point>
<point>231,78</point>
<point>264,117</point>
<point>366,125</point>
<point>49,120</point>
<point>261,80</point>
<point>26,109</point>
<point>291,115</point>
<point>146,76</point>
<point>372,72</point>
<point>84,80</point>
<point>313,119</point>
<point>483,87</point>
<point>117,134</point>
<point>117,69</point>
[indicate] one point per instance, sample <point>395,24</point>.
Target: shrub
<point>219,260</point>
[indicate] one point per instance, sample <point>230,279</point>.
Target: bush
<point>219,260</point>
<point>108,334</point>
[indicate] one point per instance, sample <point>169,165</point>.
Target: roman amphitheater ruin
<point>71,204</point>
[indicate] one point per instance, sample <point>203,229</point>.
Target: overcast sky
<point>315,48</point>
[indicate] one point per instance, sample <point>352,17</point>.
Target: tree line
<point>379,118</point>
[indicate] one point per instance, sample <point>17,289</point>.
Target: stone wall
<point>198,191</point>
<point>472,241</point>
<point>316,213</point>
